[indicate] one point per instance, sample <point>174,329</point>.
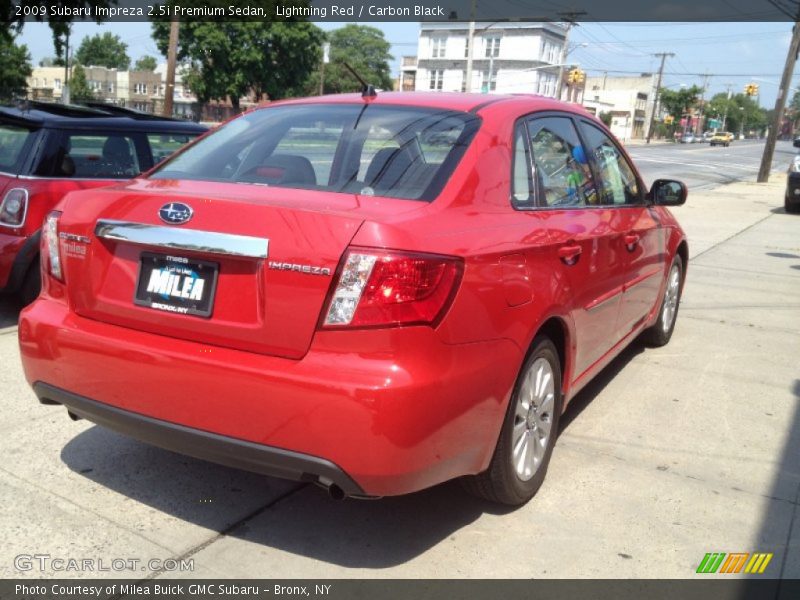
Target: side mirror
<point>668,192</point>
<point>797,142</point>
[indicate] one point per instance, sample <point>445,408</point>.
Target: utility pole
<point>706,77</point>
<point>663,56</point>
<point>780,104</point>
<point>470,44</point>
<point>725,114</point>
<point>326,48</point>
<point>65,97</point>
<point>172,57</point>
<point>560,81</point>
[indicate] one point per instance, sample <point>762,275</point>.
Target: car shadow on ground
<point>355,534</point>
<point>9,312</point>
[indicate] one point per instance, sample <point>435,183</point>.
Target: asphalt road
<point>700,166</point>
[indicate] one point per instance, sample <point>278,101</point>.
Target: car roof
<point>92,116</point>
<point>444,100</point>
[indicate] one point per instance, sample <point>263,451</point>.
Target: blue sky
<point>732,53</point>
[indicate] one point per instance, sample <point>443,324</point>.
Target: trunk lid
<point>265,263</point>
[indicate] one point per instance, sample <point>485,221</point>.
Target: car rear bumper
<point>392,412</point>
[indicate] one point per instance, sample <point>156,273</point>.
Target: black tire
<point>500,482</point>
<point>790,207</point>
<point>659,334</point>
<point>31,285</point>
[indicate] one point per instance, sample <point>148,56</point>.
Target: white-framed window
<point>140,88</point>
<point>551,52</point>
<point>547,84</point>
<point>438,47</point>
<point>437,79</point>
<point>489,81</point>
<point>110,87</point>
<point>58,84</point>
<point>492,46</point>
<point>464,81</point>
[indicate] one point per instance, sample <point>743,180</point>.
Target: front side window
<point>619,184</point>
<point>398,152</point>
<point>561,165</point>
<point>164,144</point>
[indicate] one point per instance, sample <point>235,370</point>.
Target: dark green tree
<point>106,50</point>
<point>231,59</point>
<point>363,48</point>
<point>678,102</point>
<point>741,112</point>
<point>145,63</point>
<point>51,61</point>
<point>606,118</point>
<point>15,68</point>
<point>79,90</point>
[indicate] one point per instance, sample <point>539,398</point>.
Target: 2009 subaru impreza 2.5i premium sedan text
<point>375,294</point>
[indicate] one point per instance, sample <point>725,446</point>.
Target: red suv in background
<point>374,294</point>
<point>47,150</point>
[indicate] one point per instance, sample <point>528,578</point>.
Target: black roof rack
<point>121,111</point>
<point>62,110</point>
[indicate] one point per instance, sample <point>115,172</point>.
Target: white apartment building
<point>506,57</point>
<point>629,101</point>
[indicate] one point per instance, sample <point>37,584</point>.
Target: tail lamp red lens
<point>51,253</point>
<point>377,288</point>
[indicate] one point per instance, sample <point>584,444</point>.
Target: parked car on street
<point>375,294</point>
<point>707,136</point>
<point>721,138</point>
<point>688,138</point>
<point>791,201</point>
<point>47,150</point>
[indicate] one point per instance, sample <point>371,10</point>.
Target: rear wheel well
<point>555,329</point>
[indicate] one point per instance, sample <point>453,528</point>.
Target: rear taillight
<point>51,255</point>
<point>386,288</point>
<point>14,207</point>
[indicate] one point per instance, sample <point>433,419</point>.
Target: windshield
<point>12,144</point>
<point>399,152</point>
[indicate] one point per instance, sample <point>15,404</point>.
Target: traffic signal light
<point>668,120</point>
<point>576,76</point>
<point>751,89</point>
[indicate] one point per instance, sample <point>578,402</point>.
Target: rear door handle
<point>569,254</point>
<point>631,240</point>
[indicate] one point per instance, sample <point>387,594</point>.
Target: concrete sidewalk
<point>669,454</point>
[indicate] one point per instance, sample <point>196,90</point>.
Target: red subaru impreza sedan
<point>374,294</point>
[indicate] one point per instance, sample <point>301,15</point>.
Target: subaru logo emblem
<point>175,213</point>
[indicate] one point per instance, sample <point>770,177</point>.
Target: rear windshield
<point>13,140</point>
<point>398,152</point>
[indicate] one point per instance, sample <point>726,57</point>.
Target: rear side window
<point>164,144</point>
<point>619,185</point>
<point>13,141</point>
<point>392,151</point>
<point>561,167</point>
<point>88,156</point>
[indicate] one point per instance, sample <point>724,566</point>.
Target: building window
<point>437,78</point>
<point>489,81</point>
<point>547,84</point>
<point>140,88</point>
<point>492,47</point>
<point>58,84</point>
<point>466,47</point>
<point>463,81</point>
<point>110,87</point>
<point>438,47</point>
<point>550,52</point>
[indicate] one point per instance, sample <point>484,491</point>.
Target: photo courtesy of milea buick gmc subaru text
<point>373,293</point>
